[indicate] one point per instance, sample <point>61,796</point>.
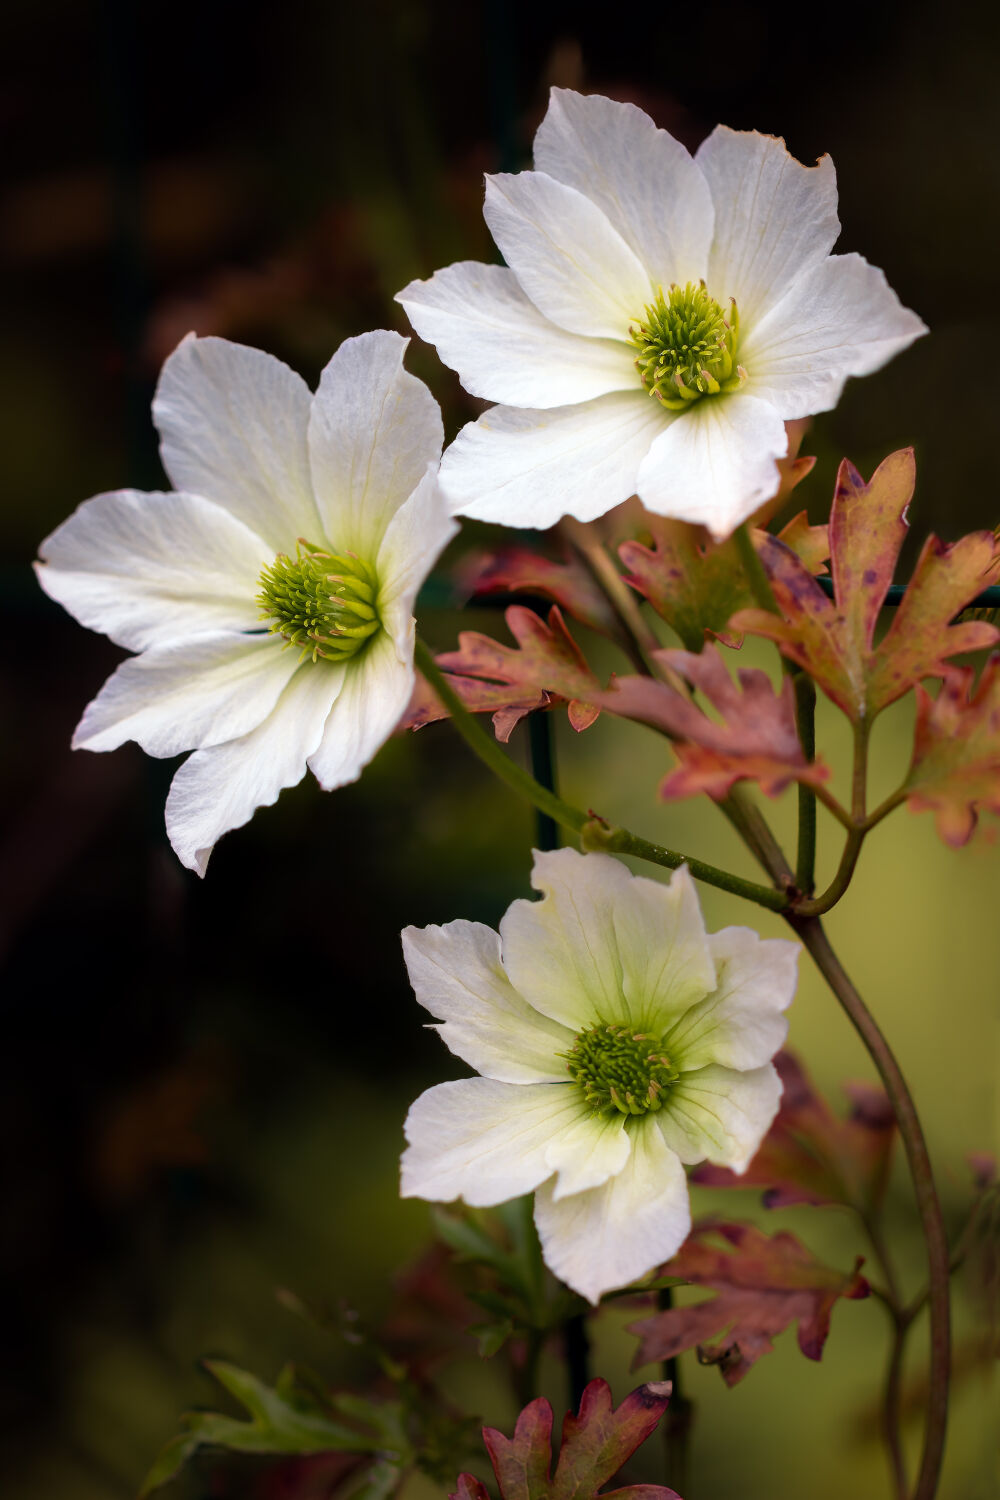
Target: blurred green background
<point>202,1086</point>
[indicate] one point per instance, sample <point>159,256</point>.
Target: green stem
<point>679,1415</point>
<point>593,831</point>
<point>811,932</point>
<point>885,808</point>
<point>639,640</point>
<point>754,569</point>
<point>805,722</point>
<point>838,885</point>
<point>600,836</point>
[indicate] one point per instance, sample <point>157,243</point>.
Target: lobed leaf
<point>809,1155</point>
<point>545,664</point>
<point>283,1419</point>
<point>833,640</point>
<point>568,583</point>
<point>763,1284</point>
<point>756,740</point>
<point>955,769</point>
<point>697,585</point>
<point>595,1444</point>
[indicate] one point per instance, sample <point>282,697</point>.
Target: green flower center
<point>323,602</point>
<point>687,346</point>
<point>619,1069</point>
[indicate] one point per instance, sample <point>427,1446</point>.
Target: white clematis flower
<point>617,1042</point>
<point>300,521</point>
<point>659,319</point>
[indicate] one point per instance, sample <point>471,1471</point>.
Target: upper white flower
<point>617,1041</point>
<point>298,518</point>
<point>659,319</point>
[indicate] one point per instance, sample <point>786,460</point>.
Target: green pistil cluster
<point>322,602</point>
<point>687,346</point>
<point>621,1070</point>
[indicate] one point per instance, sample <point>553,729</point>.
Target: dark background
<point>201,1084</point>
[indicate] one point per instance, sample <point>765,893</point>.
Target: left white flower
<point>617,1041</point>
<point>300,521</point>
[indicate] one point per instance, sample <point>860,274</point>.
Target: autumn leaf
<point>810,1155</point>
<point>508,708</point>
<point>756,739</point>
<point>956,754</point>
<point>568,583</point>
<point>833,639</point>
<point>763,1284</point>
<point>595,1444</point>
<point>545,664</point>
<point>696,585</point>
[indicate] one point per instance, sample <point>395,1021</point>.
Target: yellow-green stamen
<point>620,1069</point>
<point>323,602</point>
<point>687,346</point>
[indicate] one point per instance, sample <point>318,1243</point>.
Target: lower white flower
<point>270,598</point>
<point>617,1042</point>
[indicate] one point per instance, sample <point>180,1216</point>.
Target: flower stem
<point>805,721</point>
<point>639,640</point>
<point>679,1414</point>
<point>754,569</point>
<point>811,932</point>
<point>577,1348</point>
<point>594,832</point>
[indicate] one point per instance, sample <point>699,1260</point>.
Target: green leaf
<point>285,1419</point>
<point>491,1337</point>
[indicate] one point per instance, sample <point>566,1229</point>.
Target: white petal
<point>376,689</point>
<point>483,326</point>
<point>741,1025</point>
<point>220,788</point>
<point>561,953</point>
<point>413,541</point>
<point>716,464</point>
<point>373,430</point>
<point>571,262</point>
<point>607,1237</point>
<point>645,182</point>
<point>232,423</point>
<point>483,1141</point>
<point>587,1152</point>
<point>841,319</point>
<point>528,468</point>
<point>457,975</point>
<point>189,694</point>
<point>664,950</point>
<point>150,568</point>
<point>720,1116</point>
<point>774,218</point>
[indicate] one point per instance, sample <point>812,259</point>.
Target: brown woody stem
<point>812,934</point>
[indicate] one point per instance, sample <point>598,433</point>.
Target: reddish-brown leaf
<point>756,739</point>
<point>810,1155</point>
<point>956,752</point>
<point>697,585</point>
<point>833,639</point>
<point>569,583</point>
<point>469,1488</point>
<point>425,707</point>
<point>546,663</point>
<point>763,1284</point>
<point>595,1444</point>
